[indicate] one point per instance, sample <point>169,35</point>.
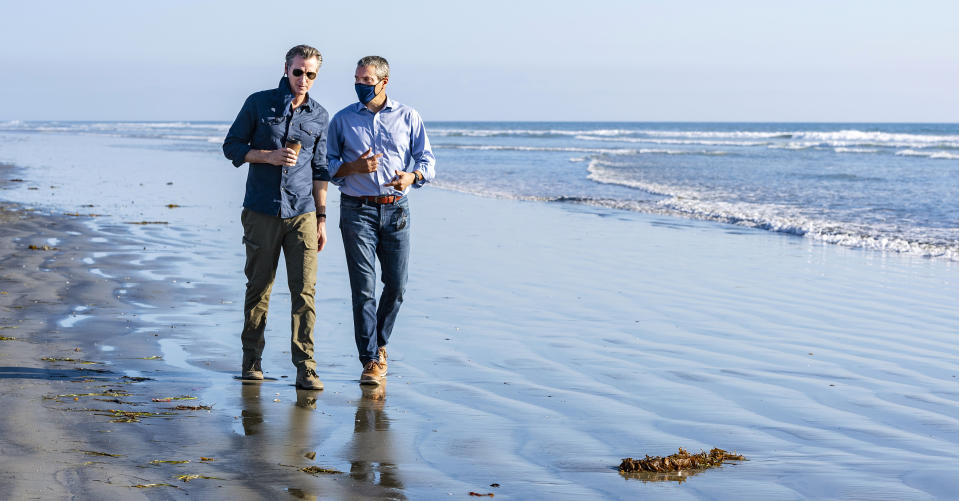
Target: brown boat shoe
<point>382,353</point>
<point>373,372</point>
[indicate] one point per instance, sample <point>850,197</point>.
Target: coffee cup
<point>294,144</point>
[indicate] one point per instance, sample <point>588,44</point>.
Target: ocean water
<point>885,187</point>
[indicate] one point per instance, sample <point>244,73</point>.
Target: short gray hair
<point>306,52</point>
<point>380,65</point>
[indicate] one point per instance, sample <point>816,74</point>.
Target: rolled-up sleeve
<point>320,170</point>
<point>237,142</point>
<point>334,150</point>
<point>421,151</point>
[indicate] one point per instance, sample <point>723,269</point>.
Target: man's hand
<point>280,157</point>
<point>320,234</point>
<point>366,164</point>
<point>402,180</point>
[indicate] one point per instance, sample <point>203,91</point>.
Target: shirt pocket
<point>269,133</point>
<point>395,145</point>
<point>308,134</point>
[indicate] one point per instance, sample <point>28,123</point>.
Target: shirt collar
<point>287,95</point>
<point>390,104</point>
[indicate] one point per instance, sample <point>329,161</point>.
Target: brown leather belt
<point>385,199</point>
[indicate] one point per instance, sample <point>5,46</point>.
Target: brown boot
<point>373,372</point>
<point>252,370</point>
<point>307,379</point>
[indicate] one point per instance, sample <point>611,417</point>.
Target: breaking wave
<point>691,203</point>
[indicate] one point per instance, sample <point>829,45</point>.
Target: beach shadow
<point>372,458</point>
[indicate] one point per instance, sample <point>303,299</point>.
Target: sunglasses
<point>309,74</point>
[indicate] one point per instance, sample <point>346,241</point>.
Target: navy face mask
<point>365,93</point>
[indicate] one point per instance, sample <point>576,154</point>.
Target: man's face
<point>366,75</point>
<point>300,85</point>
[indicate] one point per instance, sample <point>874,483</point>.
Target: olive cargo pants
<point>264,237</point>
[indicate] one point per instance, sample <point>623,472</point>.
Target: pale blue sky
<point>492,60</point>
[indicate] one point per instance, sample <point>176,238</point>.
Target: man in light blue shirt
<point>377,149</point>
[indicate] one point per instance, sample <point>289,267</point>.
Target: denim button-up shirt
<point>396,131</point>
<point>265,122</point>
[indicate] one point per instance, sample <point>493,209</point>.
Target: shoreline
<point>606,186</point>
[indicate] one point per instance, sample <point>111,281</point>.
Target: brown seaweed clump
<point>313,470</point>
<point>682,460</point>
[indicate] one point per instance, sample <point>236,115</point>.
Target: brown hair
<point>304,51</point>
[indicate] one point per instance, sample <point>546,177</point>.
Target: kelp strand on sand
<point>194,476</point>
<point>108,393</point>
<point>682,460</point>
<point>98,453</point>
<point>120,416</point>
<point>74,360</point>
<point>315,470</point>
<point>312,470</point>
<point>191,408</point>
<point>130,416</point>
<point>170,399</point>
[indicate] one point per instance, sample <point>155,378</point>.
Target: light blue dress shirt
<point>396,131</point>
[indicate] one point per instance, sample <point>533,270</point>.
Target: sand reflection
<point>251,413</point>
<point>372,455</point>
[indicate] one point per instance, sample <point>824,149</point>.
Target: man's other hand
<point>320,234</point>
<point>366,164</point>
<point>402,180</point>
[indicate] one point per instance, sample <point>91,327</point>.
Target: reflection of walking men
<point>377,149</point>
<point>374,465</point>
<point>285,205</point>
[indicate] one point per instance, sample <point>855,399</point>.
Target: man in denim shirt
<point>378,148</point>
<point>285,205</point>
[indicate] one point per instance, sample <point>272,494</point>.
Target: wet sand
<point>539,345</point>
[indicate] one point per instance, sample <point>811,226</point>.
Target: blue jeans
<point>372,231</point>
